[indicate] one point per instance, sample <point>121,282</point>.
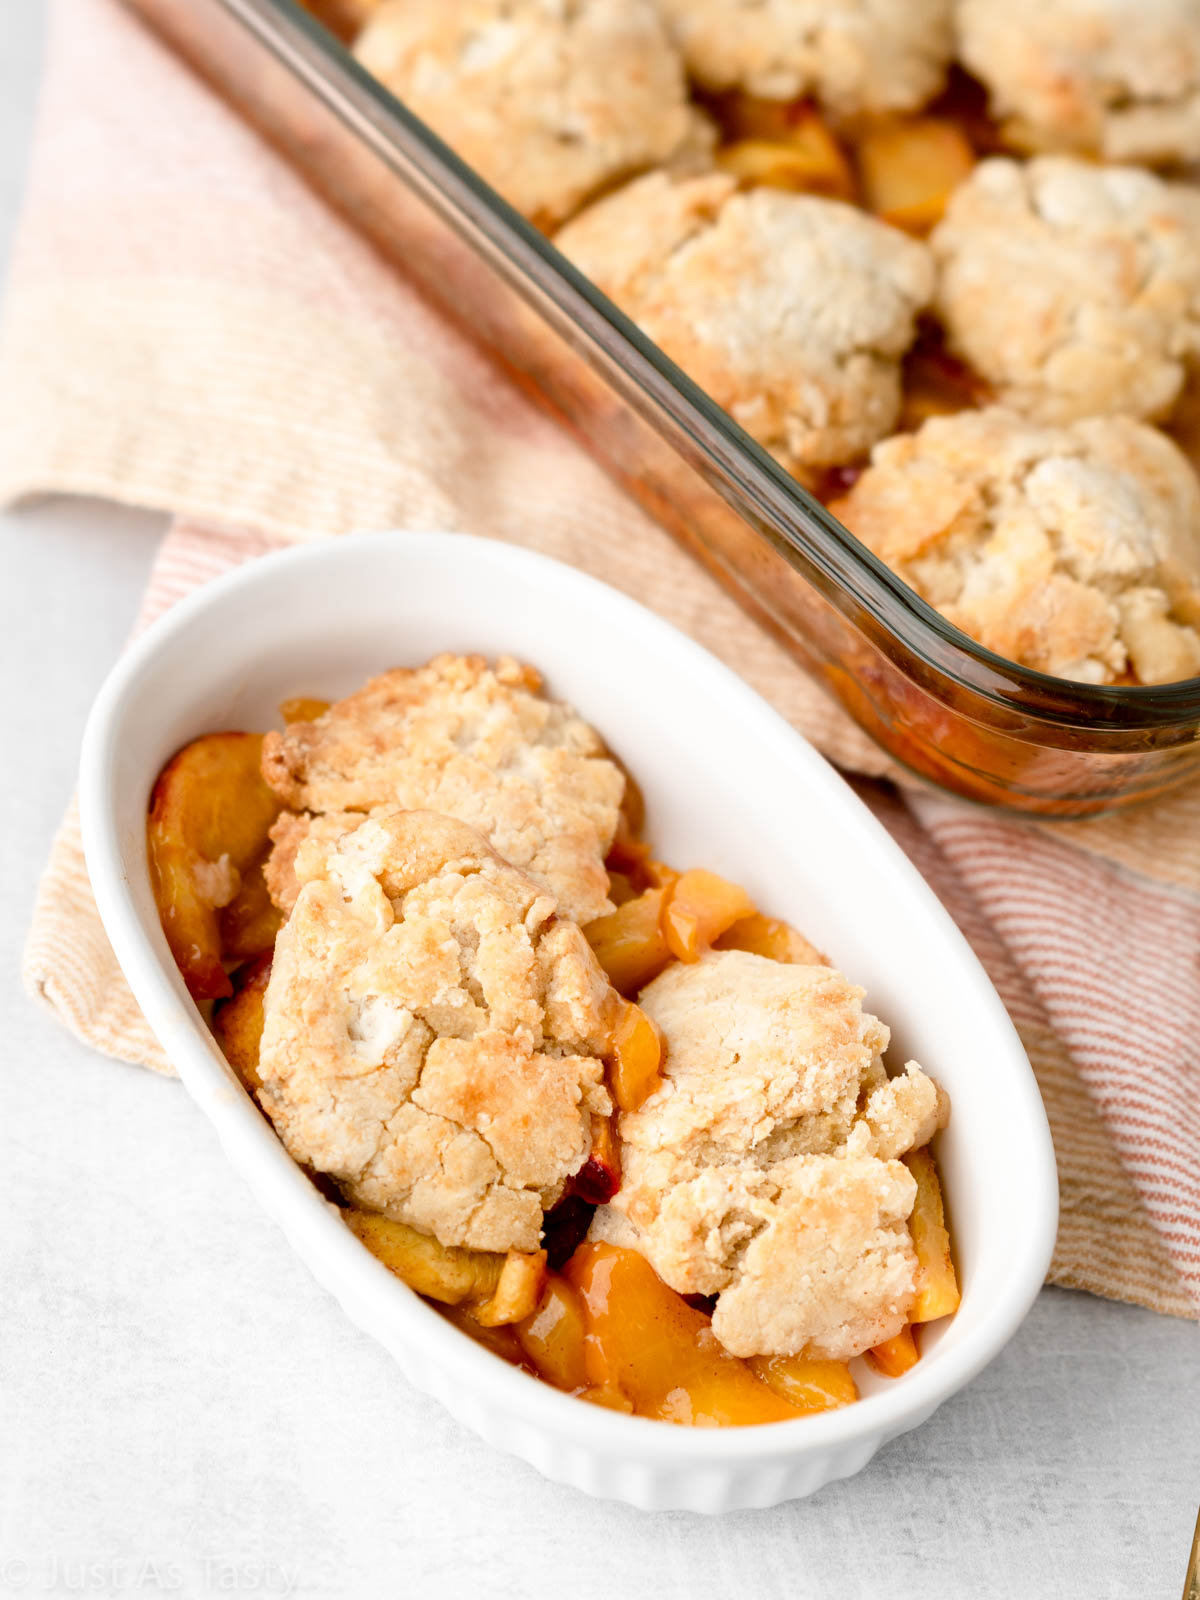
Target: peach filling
<point>207,839</point>
<point>910,166</point>
<point>637,1054</point>
<point>630,944</point>
<point>896,1355</point>
<point>497,1289</point>
<point>937,1283</point>
<point>552,1337</point>
<point>238,1022</point>
<point>644,1342</point>
<point>680,917</point>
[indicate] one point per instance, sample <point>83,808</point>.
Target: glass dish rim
<point>792,519</point>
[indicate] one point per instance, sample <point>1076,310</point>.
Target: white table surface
<point>183,1411</point>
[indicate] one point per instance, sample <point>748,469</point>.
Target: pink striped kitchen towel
<point>188,327</point>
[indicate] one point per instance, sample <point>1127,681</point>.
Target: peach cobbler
<point>853,221</point>
<point>620,1125</point>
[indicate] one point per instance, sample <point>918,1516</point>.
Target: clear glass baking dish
<point>945,707</point>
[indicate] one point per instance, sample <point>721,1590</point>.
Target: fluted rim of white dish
<point>389,1306</point>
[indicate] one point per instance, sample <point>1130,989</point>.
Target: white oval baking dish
<point>729,785</point>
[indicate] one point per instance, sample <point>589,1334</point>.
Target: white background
<point>183,1411</point>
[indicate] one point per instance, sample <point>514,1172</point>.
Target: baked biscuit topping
<point>472,741</point>
<point>1073,289</point>
<point>433,1032</point>
<point>1074,550</point>
<point>549,100</point>
<point>854,55</point>
<point>1116,78</point>
<point>288,833</point>
<point>791,311</point>
<point>764,1170</point>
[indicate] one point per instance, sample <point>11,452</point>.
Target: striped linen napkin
<point>189,328</point>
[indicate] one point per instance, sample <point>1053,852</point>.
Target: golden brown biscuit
<point>476,742</point>
<point>791,311</point>
<point>1074,550</point>
<point>288,833</point>
<point>763,1171</point>
<point>549,100</point>
<point>1073,289</point>
<point>433,1032</point>
<point>852,55</point>
<point>1114,78</point>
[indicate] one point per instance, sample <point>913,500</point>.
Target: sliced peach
<point>501,1341</point>
<point>896,1355</point>
<point>621,888</point>
<point>633,802</point>
<point>302,708</point>
<point>599,1178</point>
<point>238,1023</point>
<point>767,936</point>
<point>784,143</point>
<point>718,1391</point>
<point>910,168</point>
<point>552,1336</point>
<point>627,853</point>
<point>658,875</point>
<point>208,822</point>
<point>630,860</point>
<point>748,116</point>
<point>438,1271</point>
<point>699,908</point>
<point>808,161</point>
<point>808,1384</point>
<point>490,1284</point>
<point>643,1341</point>
<point>522,1279</point>
<point>937,1283</point>
<point>630,944</point>
<point>637,1056</point>
<point>249,923</point>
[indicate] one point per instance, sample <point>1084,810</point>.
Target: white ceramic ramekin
<point>729,786</point>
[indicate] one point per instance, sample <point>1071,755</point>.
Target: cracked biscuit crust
<point>549,100</point>
<point>433,1032</point>
<point>791,311</point>
<point>477,743</point>
<point>1115,78</point>
<point>1073,289</point>
<point>765,1169</point>
<point>1074,550</point>
<point>854,56</point>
